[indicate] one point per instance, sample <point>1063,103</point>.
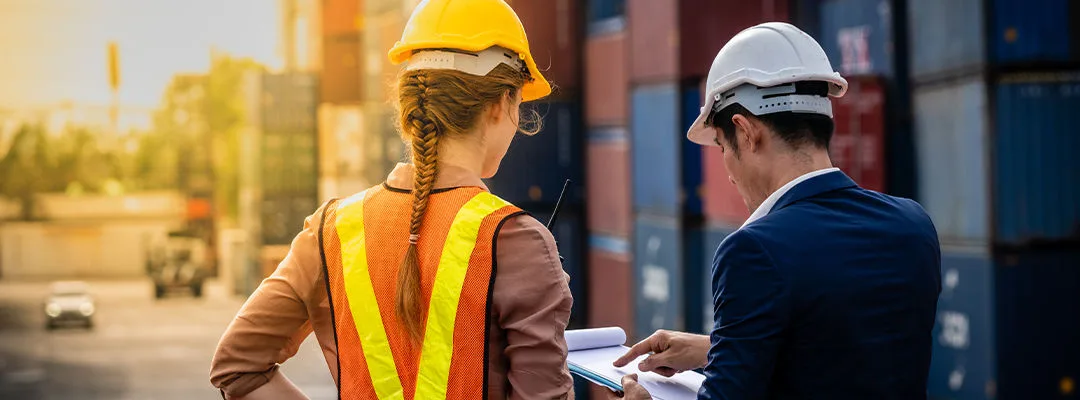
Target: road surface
<point>139,348</point>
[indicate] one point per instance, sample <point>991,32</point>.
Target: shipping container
<point>699,294</point>
<point>655,146</point>
<point>381,31</point>
<point>952,143</point>
<point>1005,326</point>
<point>342,17</point>
<point>857,36</point>
<point>1027,33</point>
<point>654,40</point>
<point>570,237</point>
<point>1036,169</point>
<point>946,38</point>
<point>706,25</point>
<point>382,144</point>
<point>658,274</point>
<point>608,182</point>
<point>341,74</point>
<point>283,216</point>
<point>858,143</point>
<point>609,294</point>
<point>341,146</point>
<point>606,80</point>
<point>289,102</point>
<point>536,167</point>
<point>723,203</point>
<point>288,138</point>
<point>555,34</point>
<point>692,177</point>
<point>604,10</point>
<point>962,363</point>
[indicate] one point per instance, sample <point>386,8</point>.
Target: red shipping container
<point>342,74</point>
<point>608,191</point>
<point>706,25</point>
<point>606,80</point>
<point>654,40</point>
<point>858,142</point>
<point>342,16</point>
<point>722,200</point>
<point>610,303</point>
<point>555,34</point>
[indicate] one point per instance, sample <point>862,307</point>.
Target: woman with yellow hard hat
<point>426,286</point>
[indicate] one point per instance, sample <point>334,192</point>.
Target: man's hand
<point>672,352</point>
<point>632,390</point>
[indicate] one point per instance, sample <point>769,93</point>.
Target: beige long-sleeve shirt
<point>530,305</point>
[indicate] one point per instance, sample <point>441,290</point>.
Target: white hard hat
<point>755,68</point>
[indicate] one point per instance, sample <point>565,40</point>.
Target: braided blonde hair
<point>433,104</point>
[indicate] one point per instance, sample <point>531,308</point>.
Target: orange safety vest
<point>456,249</point>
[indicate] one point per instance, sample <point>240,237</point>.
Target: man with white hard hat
<point>828,290</point>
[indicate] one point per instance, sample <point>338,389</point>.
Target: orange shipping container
<point>342,17</point>
<point>654,40</point>
<point>341,75</point>
<point>610,303</point>
<point>606,80</point>
<point>608,177</point>
<point>555,31</point>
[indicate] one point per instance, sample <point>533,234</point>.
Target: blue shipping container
<point>962,365</point>
<point>857,36</point>
<point>1006,325</point>
<point>951,138</point>
<point>535,167</point>
<point>658,274</point>
<point>656,143</point>
<point>1036,168</point>
<point>1025,32</point>
<point>692,163</point>
<point>602,10</point>
<point>945,37</point>
<point>699,310</point>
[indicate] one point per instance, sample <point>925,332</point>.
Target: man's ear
<point>747,132</point>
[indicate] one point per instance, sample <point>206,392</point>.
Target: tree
<point>25,168</point>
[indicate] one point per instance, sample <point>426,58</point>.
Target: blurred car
<point>69,303</point>
<point>178,264</point>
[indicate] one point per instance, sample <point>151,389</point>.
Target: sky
<point>53,51</point>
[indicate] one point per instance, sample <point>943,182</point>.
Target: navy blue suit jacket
<point>832,295</point>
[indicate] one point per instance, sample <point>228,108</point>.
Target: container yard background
<point>123,120</point>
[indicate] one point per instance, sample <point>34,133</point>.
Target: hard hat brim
<point>536,89</point>
<point>706,136</point>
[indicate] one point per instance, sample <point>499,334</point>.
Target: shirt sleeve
<point>272,324</point>
<point>751,311</point>
<point>532,302</point>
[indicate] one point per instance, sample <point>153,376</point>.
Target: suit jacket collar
<point>814,186</point>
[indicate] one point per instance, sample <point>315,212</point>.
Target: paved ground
<point>140,348</point>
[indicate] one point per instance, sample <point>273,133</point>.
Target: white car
<point>69,303</point>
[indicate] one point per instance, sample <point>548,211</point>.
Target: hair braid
<point>425,139</point>
<point>434,105</point>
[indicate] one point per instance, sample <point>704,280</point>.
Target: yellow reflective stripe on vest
<point>438,346</point>
<point>362,302</point>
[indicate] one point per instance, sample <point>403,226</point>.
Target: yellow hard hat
<point>472,26</point>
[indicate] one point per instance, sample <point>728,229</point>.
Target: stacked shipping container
<point>608,172</point>
<point>994,145</point>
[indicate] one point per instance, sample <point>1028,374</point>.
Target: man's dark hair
<point>795,129</point>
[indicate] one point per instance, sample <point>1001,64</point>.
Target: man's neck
<point>800,163</point>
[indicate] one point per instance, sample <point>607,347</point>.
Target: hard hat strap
<point>793,97</point>
<point>479,64</point>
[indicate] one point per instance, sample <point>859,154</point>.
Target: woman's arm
<point>532,300</point>
<point>271,325</point>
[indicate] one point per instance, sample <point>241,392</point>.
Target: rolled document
<point>593,352</point>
